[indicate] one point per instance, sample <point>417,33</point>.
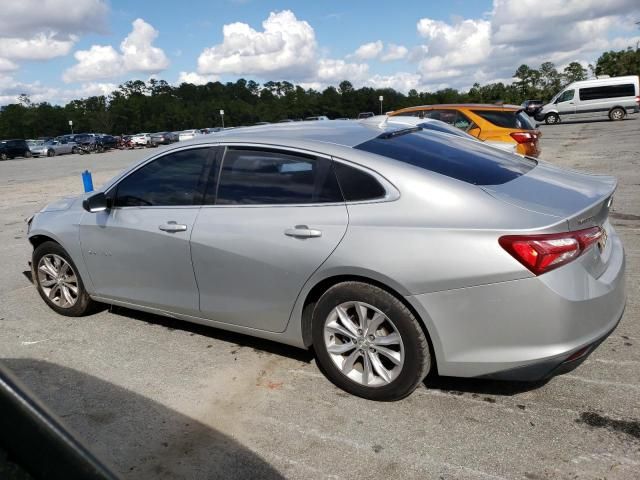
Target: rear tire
<point>552,118</point>
<point>3,156</point>
<point>617,114</point>
<point>58,282</point>
<point>28,154</point>
<point>383,358</point>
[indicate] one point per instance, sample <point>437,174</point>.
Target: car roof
<point>346,133</point>
<point>483,106</point>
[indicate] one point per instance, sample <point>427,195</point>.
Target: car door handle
<point>302,231</point>
<point>173,227</point>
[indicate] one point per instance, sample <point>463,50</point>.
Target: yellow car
<point>498,123</point>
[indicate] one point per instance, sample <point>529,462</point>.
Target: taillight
<point>638,100</point>
<point>523,137</point>
<point>542,253</point>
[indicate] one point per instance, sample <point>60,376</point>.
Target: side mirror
<point>96,203</point>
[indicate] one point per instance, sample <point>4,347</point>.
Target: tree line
<point>138,106</point>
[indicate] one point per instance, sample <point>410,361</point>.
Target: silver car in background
<point>391,250</point>
<point>51,148</point>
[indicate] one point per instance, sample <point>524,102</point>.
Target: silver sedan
<point>51,148</point>
<point>391,250</point>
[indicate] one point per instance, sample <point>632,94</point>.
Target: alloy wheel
<point>364,344</point>
<point>58,280</point>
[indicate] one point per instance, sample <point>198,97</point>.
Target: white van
<point>615,97</point>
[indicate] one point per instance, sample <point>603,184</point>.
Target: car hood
<point>63,203</point>
<point>554,191</point>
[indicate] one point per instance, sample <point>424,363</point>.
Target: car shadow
<point>138,437</point>
<point>481,386</point>
<point>243,340</point>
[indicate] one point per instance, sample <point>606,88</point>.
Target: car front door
<point>275,218</point>
<point>566,104</point>
<point>138,251</point>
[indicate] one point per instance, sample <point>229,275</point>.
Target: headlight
<point>29,220</point>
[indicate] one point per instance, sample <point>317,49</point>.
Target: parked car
<point>188,134</point>
<point>421,251</point>
<point>14,148</point>
<point>163,138</point>
<point>440,126</point>
<point>107,141</point>
<point>141,139</point>
<point>363,115</point>
<point>498,123</point>
<point>53,147</point>
<point>318,117</point>
<point>532,107</point>
<point>613,97</point>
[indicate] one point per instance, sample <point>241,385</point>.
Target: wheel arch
<point>39,239</point>
<point>324,284</point>
<point>615,107</point>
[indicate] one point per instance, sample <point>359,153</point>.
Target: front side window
<point>172,180</point>
<point>566,96</point>
<point>265,177</point>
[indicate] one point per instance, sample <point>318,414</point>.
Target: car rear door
<point>274,218</point>
<point>138,251</point>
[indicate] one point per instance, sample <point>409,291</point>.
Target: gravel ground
<point>158,398</point>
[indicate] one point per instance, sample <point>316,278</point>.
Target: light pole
<point>71,125</point>
<point>222,116</point>
<point>381,98</point>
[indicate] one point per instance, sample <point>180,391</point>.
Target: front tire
<point>552,118</point>
<point>368,343</point>
<point>58,282</point>
<point>617,114</point>
<point>50,153</point>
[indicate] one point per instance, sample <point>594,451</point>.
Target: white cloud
<point>41,30</point>
<point>286,46</point>
<point>7,65</point>
<point>401,81</point>
<point>465,51</point>
<point>195,78</point>
<point>394,52</point>
<point>331,71</point>
<point>11,89</point>
<point>368,51</point>
<point>137,54</point>
<point>27,18</point>
<point>41,46</point>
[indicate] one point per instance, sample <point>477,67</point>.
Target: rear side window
<point>608,91</point>
<point>357,185</point>
<point>171,180</point>
<point>466,160</point>
<point>263,177</point>
<point>504,119</point>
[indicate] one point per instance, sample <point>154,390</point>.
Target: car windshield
<point>455,157</point>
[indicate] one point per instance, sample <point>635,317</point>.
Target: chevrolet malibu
<point>390,250</point>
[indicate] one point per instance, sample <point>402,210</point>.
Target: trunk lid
<point>582,200</point>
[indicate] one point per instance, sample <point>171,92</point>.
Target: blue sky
<point>63,49</point>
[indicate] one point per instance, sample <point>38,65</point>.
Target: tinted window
<point>171,180</point>
<point>452,117</point>
<point>455,157</point>
<point>357,185</point>
<point>253,177</point>
<point>504,119</point>
<point>444,128</point>
<point>608,91</point>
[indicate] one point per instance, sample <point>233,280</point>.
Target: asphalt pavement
<point>158,398</point>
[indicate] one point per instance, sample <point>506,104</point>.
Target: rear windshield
<point>506,119</point>
<point>455,157</point>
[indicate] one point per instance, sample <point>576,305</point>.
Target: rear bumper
<point>526,329</point>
